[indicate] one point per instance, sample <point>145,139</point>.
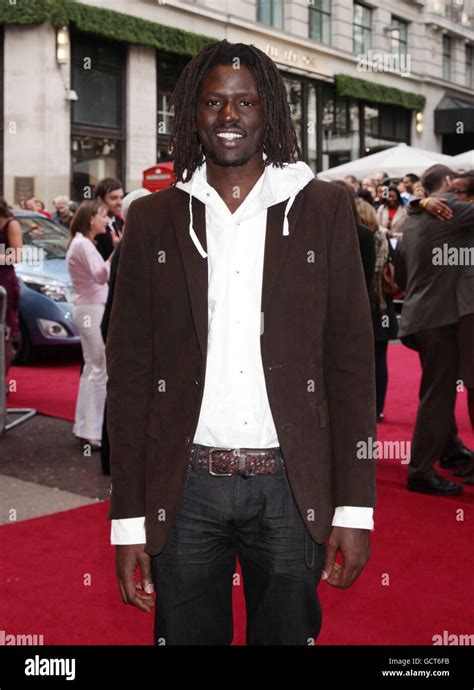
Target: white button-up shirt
<point>235,411</point>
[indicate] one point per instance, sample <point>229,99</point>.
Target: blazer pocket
<point>323,412</point>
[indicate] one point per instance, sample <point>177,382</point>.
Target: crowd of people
<point>96,229</point>
<point>412,220</point>
<point>383,209</point>
<point>64,208</point>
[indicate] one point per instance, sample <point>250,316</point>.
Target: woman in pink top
<point>90,275</point>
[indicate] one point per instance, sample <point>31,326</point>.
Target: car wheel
<point>23,352</point>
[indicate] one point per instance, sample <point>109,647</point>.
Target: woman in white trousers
<point>90,275</point>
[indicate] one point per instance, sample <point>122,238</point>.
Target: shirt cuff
<point>354,517</point>
<point>128,531</point>
<point>132,530</point>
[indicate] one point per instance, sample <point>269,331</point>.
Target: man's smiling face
<point>229,117</point>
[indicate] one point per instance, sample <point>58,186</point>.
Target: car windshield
<point>43,233</point>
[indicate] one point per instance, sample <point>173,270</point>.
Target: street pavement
<point>43,471</point>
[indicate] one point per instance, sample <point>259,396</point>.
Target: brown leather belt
<point>225,462</point>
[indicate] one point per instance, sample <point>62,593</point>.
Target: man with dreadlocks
<point>240,373</point>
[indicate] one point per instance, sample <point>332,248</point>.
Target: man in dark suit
<point>110,192</point>
<point>431,314</point>
<point>456,453</point>
<point>241,377</point>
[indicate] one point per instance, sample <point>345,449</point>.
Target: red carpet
<point>58,579</point>
<point>50,389</point>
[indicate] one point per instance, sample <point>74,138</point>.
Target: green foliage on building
<point>103,22</point>
<point>377,93</point>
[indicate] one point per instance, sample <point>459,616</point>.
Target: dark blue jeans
<point>256,519</point>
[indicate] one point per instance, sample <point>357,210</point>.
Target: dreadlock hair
<point>280,143</point>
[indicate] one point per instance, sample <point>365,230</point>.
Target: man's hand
<point>354,545</point>
<point>116,238</point>
<point>139,594</point>
<point>438,208</point>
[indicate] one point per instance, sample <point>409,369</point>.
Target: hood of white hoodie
<point>277,185</point>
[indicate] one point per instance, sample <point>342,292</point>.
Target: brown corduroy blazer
<point>316,346</point>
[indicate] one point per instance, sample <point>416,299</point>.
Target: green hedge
<point>377,93</point>
<point>108,23</point>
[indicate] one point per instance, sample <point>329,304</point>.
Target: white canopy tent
<point>464,160</point>
<point>396,162</point>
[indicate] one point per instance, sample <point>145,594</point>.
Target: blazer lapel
<point>195,266</point>
<point>277,244</point>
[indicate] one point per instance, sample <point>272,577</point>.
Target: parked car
<point>45,288</point>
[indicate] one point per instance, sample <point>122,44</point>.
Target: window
<point>98,120</point>
<point>97,76</point>
<point>469,72</point>
<point>398,37</point>
<point>311,126</point>
<point>385,125</point>
<point>169,68</point>
<point>371,117</point>
<point>446,57</point>
<point>165,114</point>
<point>340,128</point>
<point>270,12</point>
<point>294,96</point>
<point>302,97</point>
<point>93,158</point>
<point>320,20</point>
<point>362,28</point>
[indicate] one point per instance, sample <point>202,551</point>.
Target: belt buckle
<point>211,471</point>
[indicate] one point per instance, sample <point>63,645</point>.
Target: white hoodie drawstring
<point>194,237</point>
<point>268,198</point>
<point>286,225</point>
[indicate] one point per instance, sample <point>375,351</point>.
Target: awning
<point>396,161</point>
<point>451,113</point>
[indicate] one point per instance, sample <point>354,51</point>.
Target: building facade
<point>86,84</point>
